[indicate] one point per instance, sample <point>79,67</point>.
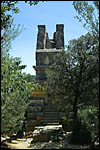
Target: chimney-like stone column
<point>59,37</point>
<point>41,37</point>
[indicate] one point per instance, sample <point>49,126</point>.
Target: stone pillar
<point>48,44</point>
<point>41,37</point>
<point>59,36</point>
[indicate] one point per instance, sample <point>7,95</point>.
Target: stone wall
<point>46,50</point>
<point>43,41</point>
<point>59,36</point>
<point>40,110</point>
<point>44,59</point>
<point>37,101</point>
<point>41,37</point>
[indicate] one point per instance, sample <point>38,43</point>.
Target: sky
<point>47,13</point>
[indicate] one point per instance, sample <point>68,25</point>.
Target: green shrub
<point>90,117</point>
<point>15,91</point>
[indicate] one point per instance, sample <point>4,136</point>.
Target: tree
<point>75,78</point>
<point>15,91</point>
<point>9,31</point>
<point>30,78</point>
<point>88,15</point>
<point>74,81</point>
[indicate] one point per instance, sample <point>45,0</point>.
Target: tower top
<point>43,41</point>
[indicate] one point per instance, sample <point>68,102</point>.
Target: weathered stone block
<point>32,123</point>
<point>43,40</point>
<point>28,129</point>
<point>46,50</point>
<point>31,115</point>
<point>41,37</point>
<point>36,93</point>
<point>59,36</point>
<point>44,134</point>
<point>36,102</point>
<point>40,116</point>
<point>34,109</point>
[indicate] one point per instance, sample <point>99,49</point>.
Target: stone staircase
<point>51,116</point>
<point>41,112</point>
<point>34,112</point>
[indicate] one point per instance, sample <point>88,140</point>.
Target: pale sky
<point>47,13</point>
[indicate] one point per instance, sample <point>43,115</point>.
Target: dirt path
<point>44,145</point>
<point>19,144</point>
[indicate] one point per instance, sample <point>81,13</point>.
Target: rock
<point>20,139</point>
<point>7,137</point>
<point>3,139</point>
<point>45,133</point>
<point>39,116</point>
<point>28,135</point>
<point>14,142</point>
<point>68,133</point>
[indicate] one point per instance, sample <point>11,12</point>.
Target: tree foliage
<point>75,73</point>
<point>9,31</point>
<point>88,15</point>
<point>15,88</point>
<point>74,83</point>
<point>15,91</point>
<point>30,78</point>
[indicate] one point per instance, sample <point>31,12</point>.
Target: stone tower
<point>46,49</point>
<point>40,110</point>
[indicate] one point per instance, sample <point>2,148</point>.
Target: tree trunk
<point>75,117</point>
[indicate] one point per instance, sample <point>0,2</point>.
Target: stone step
<point>35,105</point>
<point>34,109</point>
<point>29,128</point>
<point>51,113</point>
<point>31,115</point>
<point>49,121</point>
<point>32,122</point>
<point>49,108</point>
<point>51,118</point>
<point>36,102</point>
<point>36,98</point>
